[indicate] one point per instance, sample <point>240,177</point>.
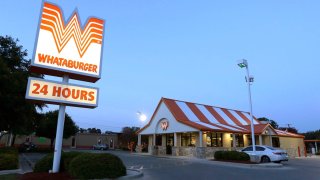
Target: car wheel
<point>101,149</point>
<point>265,159</point>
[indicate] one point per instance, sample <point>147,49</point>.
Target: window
<point>239,140</point>
<point>248,149</point>
<point>214,139</point>
<point>275,142</point>
<point>259,148</point>
<point>256,138</point>
<point>188,139</point>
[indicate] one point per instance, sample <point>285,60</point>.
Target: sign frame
<point>54,71</point>
<point>59,102</point>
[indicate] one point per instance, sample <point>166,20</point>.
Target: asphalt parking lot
<point>190,168</point>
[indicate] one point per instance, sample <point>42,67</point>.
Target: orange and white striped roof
<point>212,118</point>
<point>209,117</point>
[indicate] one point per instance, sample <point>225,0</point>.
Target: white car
<point>100,147</point>
<point>268,153</point>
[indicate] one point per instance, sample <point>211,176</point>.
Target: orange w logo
<point>52,21</point>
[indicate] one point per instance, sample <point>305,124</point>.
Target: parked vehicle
<point>100,147</point>
<point>268,153</point>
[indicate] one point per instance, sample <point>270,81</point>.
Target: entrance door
<point>169,143</point>
<point>158,140</point>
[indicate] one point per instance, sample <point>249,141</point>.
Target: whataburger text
<point>67,63</point>
<point>55,92</point>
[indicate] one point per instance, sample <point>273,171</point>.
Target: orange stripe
<point>216,115</point>
<point>243,117</point>
<point>62,34</point>
<point>180,116</point>
<point>203,118</point>
<point>197,112</point>
<point>235,120</point>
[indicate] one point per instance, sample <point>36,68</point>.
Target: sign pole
<point>59,134</point>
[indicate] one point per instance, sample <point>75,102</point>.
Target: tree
<point>94,130</point>
<point>128,135</point>
<point>17,115</point>
<point>289,129</point>
<point>273,123</point>
<point>82,130</point>
<point>47,126</point>
<point>312,135</point>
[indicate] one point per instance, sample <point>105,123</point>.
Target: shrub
<point>45,164</point>
<point>231,155</point>
<point>8,161</point>
<point>95,166</point>
<point>8,150</point>
<point>67,158</point>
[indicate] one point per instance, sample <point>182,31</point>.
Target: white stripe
<point>237,116</point>
<point>249,117</point>
<point>208,125</point>
<point>187,111</point>
<point>213,120</point>
<point>224,116</point>
<point>207,114</point>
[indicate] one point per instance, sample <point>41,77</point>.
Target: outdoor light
<point>142,116</point>
<point>249,79</point>
<point>242,63</point>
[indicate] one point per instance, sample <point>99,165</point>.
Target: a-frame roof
<point>212,118</point>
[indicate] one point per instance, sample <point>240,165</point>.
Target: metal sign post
<point>59,134</point>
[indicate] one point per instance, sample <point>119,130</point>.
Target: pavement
<point>27,161</point>
<point>211,161</point>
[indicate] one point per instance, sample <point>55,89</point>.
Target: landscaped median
<point>9,159</point>
<point>79,165</point>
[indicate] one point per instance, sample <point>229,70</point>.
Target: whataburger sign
<point>65,48</point>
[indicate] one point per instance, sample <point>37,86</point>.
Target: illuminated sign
<point>59,93</point>
<point>164,125</point>
<point>66,48</point>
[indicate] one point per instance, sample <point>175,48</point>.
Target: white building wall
<point>174,126</point>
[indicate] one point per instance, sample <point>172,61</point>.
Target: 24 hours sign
<point>56,93</point>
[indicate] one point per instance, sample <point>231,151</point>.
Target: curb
<point>131,174</point>
<point>13,171</point>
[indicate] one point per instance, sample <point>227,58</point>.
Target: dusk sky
<point>188,50</point>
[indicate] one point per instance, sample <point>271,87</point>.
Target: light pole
<point>142,117</point>
<point>244,63</point>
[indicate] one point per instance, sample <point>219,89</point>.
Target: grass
<point>10,176</point>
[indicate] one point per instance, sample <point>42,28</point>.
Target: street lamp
<point>244,63</point>
<point>142,117</point>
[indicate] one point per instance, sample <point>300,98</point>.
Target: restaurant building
<point>181,128</point>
